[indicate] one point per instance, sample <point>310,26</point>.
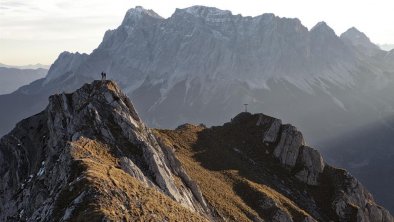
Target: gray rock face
<point>36,158</point>
<point>129,167</point>
<point>22,161</point>
<point>312,165</point>
<point>289,144</point>
<point>193,189</point>
<point>352,201</point>
<point>349,199</point>
<point>271,135</point>
<point>291,150</point>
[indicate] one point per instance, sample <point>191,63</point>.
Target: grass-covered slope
<point>242,179</point>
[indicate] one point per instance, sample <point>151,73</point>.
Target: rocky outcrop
<point>287,149</point>
<point>270,135</point>
<point>349,200</point>
<point>290,149</point>
<point>81,133</point>
<point>312,165</point>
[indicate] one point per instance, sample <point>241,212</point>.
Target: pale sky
<point>36,31</point>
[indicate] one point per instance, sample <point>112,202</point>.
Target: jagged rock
<point>177,169</point>
<point>351,200</point>
<point>79,135</point>
<point>311,164</point>
<point>289,144</point>
<point>129,167</point>
<point>270,135</point>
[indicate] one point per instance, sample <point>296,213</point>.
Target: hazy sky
<point>36,31</point>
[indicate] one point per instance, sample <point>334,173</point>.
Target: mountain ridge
<point>360,40</point>
<point>65,144</point>
<point>135,71</point>
<point>30,66</point>
<point>95,158</point>
<point>13,78</point>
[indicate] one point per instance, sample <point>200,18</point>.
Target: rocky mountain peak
<point>204,11</point>
<point>210,15</point>
<point>354,34</point>
<point>359,40</point>
<point>135,14</point>
<point>98,92</point>
<point>323,28</point>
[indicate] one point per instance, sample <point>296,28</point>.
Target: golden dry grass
<point>111,193</point>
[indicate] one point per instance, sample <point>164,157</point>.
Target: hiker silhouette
<point>103,76</point>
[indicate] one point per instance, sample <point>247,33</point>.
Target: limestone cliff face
<point>88,155</point>
<point>51,162</point>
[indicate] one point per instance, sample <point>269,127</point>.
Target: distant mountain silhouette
<point>12,78</point>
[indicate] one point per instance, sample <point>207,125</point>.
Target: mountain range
<point>208,61</point>
<point>13,78</point>
<point>202,64</point>
<point>30,66</point>
<point>89,156</point>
